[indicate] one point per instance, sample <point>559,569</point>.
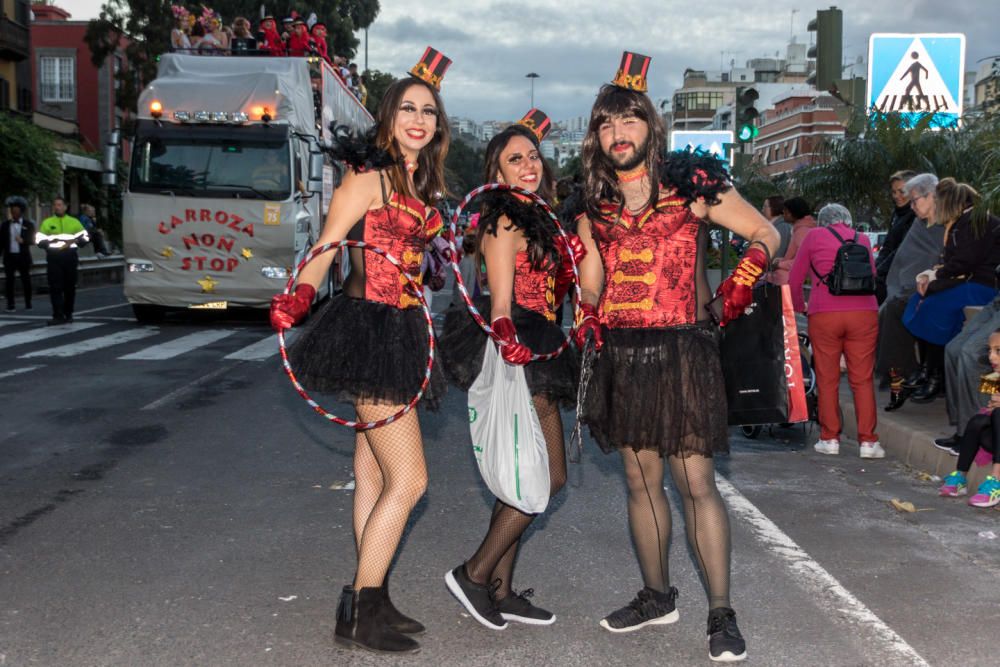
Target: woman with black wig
<point>528,270</point>
<point>369,346</point>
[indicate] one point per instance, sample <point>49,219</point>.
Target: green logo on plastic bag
<point>473,415</point>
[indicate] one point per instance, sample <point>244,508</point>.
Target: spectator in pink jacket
<point>798,213</point>
<point>838,325</point>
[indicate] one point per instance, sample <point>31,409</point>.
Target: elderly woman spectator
<point>797,213</point>
<point>838,325</point>
<point>966,276</point>
<point>920,247</point>
<point>899,225</point>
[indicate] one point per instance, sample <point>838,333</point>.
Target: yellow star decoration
<point>207,284</point>
<point>247,253</point>
<point>167,252</point>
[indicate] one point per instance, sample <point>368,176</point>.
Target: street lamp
<point>532,76</point>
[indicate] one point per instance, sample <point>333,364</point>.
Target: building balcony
<point>14,43</point>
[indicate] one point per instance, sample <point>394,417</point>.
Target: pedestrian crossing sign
<point>916,75</point>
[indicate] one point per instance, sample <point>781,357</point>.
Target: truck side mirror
<point>315,184</point>
<point>110,172</point>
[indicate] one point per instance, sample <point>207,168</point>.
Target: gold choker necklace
<point>632,175</point>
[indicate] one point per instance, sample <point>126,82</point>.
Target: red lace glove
<point>287,310</point>
<point>588,324</point>
<point>512,351</point>
<point>737,290</point>
<point>574,250</point>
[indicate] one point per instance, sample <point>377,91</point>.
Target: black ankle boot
<point>396,619</point>
<point>897,399</point>
<point>360,623</point>
<point>930,391</point>
<point>916,379</point>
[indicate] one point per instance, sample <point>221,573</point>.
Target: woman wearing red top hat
<point>299,42</point>
<point>657,396</point>
<point>319,33</point>
<point>369,345</point>
<point>529,270</point>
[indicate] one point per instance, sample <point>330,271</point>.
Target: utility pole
<point>791,27</point>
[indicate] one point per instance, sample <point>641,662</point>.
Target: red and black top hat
<point>318,24</point>
<point>632,72</point>
<point>432,67</point>
<point>536,121</point>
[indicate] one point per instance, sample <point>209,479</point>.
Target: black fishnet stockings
<point>494,560</point>
<point>705,518</point>
<point>390,476</point>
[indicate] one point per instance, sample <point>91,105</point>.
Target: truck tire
<point>147,313</point>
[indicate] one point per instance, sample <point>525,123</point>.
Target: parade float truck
<point>228,184</point>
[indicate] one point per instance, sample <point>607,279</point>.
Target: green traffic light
<point>747,132</point>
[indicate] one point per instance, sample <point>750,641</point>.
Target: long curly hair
<point>600,181</point>
<point>428,181</point>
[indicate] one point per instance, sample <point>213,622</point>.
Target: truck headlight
<point>276,272</point>
<point>139,266</point>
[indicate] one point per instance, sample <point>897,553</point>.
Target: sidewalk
<point>908,434</point>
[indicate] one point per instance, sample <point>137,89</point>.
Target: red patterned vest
<point>534,289</point>
<point>649,261</point>
<point>402,228</point>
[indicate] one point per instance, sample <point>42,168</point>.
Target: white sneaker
<point>831,446</point>
<point>872,450</point>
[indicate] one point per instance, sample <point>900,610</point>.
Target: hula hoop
<point>476,315</point>
<point>359,426</point>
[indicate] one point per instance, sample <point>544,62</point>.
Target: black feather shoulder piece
<point>528,217</point>
<point>358,149</point>
<point>695,174</point>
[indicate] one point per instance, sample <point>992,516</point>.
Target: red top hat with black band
<point>432,67</point>
<point>632,72</point>
<point>536,121</point>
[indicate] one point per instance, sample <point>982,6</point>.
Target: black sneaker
<point>650,607</point>
<point>477,599</point>
<point>949,444</point>
<point>725,643</point>
<point>516,607</point>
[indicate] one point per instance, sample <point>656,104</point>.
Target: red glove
<point>737,290</point>
<point>287,310</point>
<point>573,251</point>
<point>511,350</point>
<point>588,324</point>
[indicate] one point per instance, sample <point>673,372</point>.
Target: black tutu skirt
<point>365,351</point>
<point>658,389</point>
<point>463,343</point>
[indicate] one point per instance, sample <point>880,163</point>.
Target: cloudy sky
<point>494,43</point>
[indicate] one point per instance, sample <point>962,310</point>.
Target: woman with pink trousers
<point>838,325</point>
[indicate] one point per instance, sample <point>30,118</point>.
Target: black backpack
<point>852,273</point>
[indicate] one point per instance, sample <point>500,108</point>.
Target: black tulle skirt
<point>658,389</point>
<point>365,351</point>
<point>463,343</point>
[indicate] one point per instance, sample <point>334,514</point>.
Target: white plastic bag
<point>506,436</point>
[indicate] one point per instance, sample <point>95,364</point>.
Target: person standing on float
<point>657,390</point>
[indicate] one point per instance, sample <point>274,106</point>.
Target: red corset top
<point>534,289</point>
<point>651,265</point>
<point>402,228</point>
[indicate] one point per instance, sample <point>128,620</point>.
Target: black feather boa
<point>358,150</point>
<point>528,217</point>
<point>694,174</point>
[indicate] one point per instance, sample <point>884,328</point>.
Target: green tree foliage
<point>857,169</point>
<point>463,168</point>
<point>572,167</point>
<point>147,25</point>
<point>31,166</point>
<point>377,83</point>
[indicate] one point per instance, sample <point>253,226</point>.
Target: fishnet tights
<point>494,560</point>
<point>390,476</point>
<point>705,518</point>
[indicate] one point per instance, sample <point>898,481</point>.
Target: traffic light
<point>746,114</point>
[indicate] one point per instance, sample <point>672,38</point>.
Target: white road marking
<point>7,323</point>
<point>91,344</point>
<point>38,334</point>
<point>180,391</point>
<point>95,310</point>
<point>18,371</point>
<point>263,349</point>
<point>172,348</point>
<point>828,591</point>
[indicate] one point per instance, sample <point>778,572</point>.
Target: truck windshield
<point>212,167</point>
